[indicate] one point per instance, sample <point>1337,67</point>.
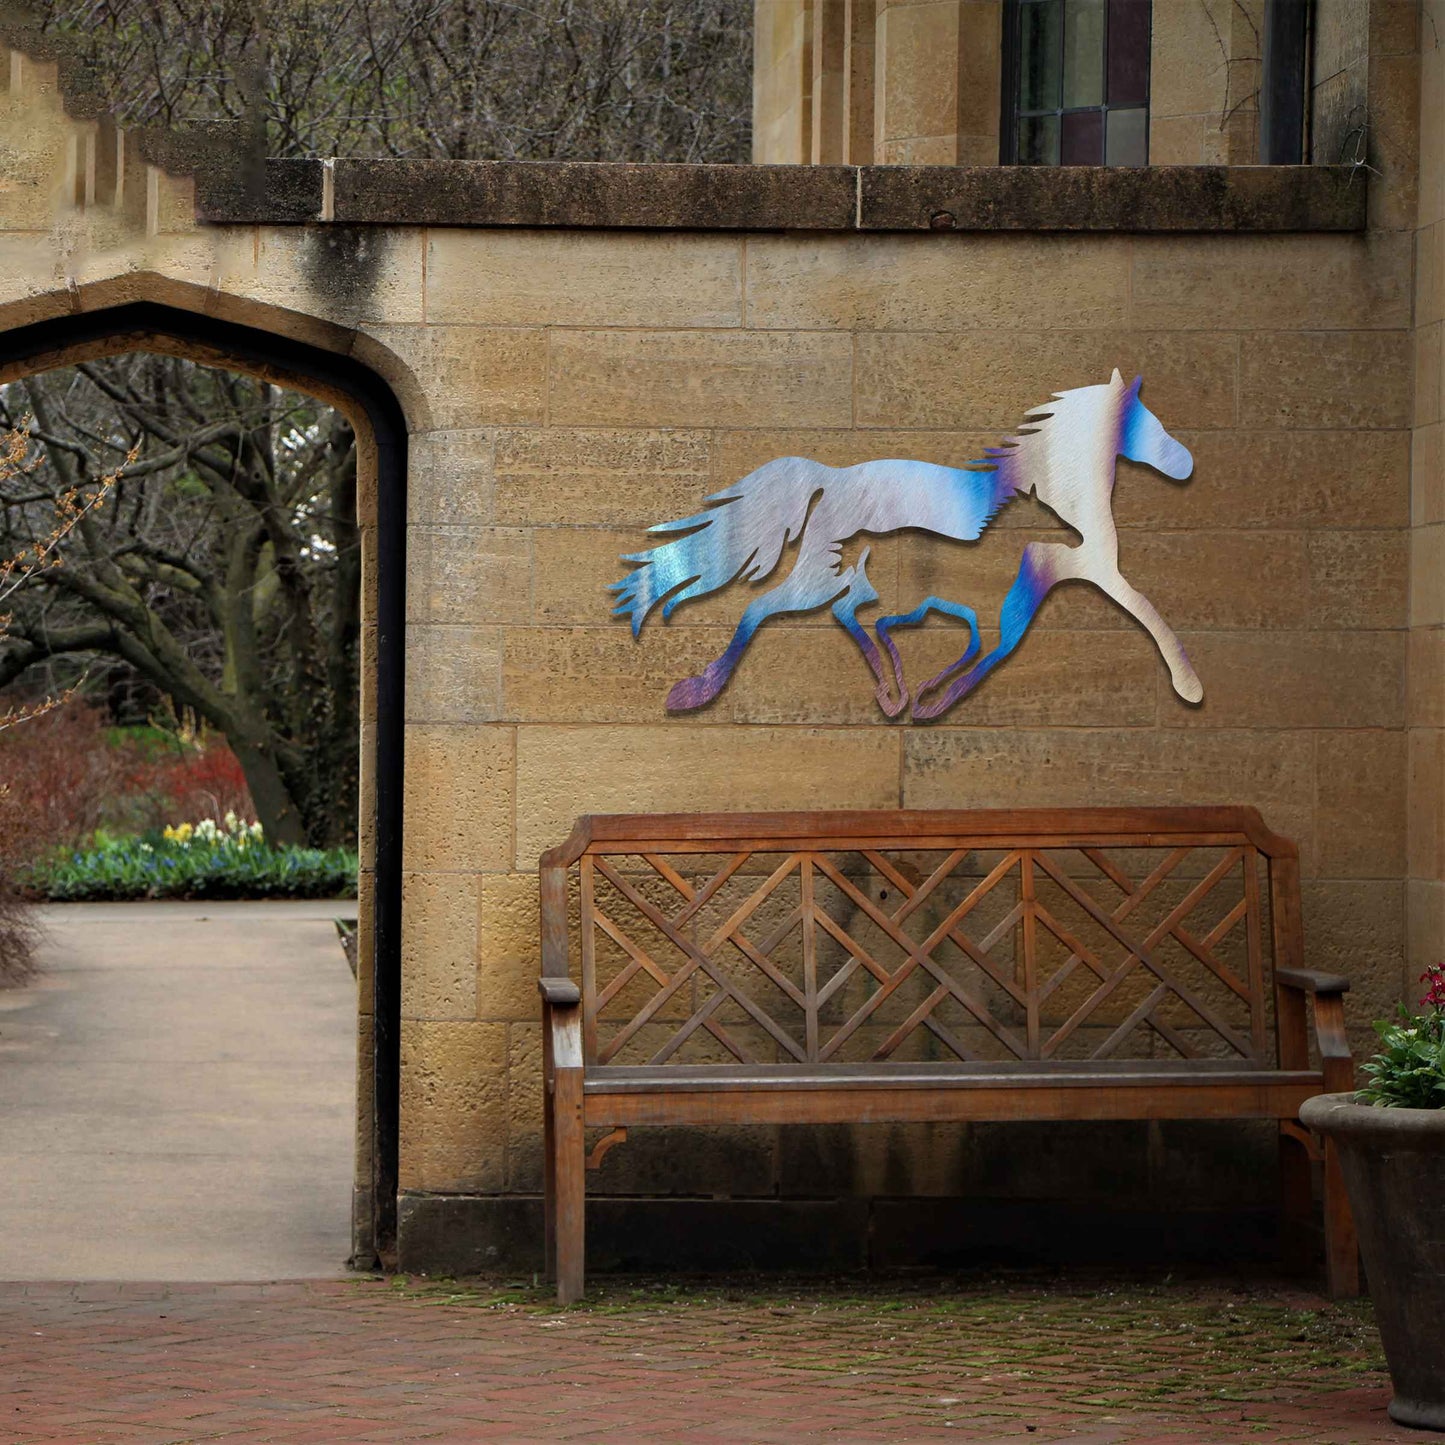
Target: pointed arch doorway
<point>371,406</point>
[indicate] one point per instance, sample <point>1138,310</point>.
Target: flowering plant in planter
<point>1409,1070</point>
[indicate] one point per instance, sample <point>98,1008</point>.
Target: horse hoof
<point>892,706</point>
<point>1190,689</point>
<point>691,692</point>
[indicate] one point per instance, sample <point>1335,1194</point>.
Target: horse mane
<point>1066,408</point>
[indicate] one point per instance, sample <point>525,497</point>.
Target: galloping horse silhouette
<point>1065,457</point>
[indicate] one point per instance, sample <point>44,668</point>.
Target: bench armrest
<point>1311,980</point>
<point>559,992</point>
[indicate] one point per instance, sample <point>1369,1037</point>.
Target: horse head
<point>1143,439</point>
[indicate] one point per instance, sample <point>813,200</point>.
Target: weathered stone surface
<point>563,772</point>
<point>1102,198</point>
<point>450,477</point>
<point>1325,379</point>
<point>1426,826</point>
<point>462,376</point>
<point>1268,283</point>
<point>278,193</point>
<point>1361,802</point>
<point>1427,575</point>
<point>1283,679</point>
<point>439,946</point>
<point>1425,687</point>
<point>1358,579</point>
<point>982,380</point>
<point>583,194</point>
<point>588,477</point>
<point>453,1106</point>
<point>582,278</point>
<point>948,767</point>
<point>508,955</point>
<point>453,674</point>
<point>458,805</point>
<point>884,284</point>
<point>468,576</point>
<point>699,378</point>
<point>1355,928</point>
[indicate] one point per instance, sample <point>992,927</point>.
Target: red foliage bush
<point>65,776</point>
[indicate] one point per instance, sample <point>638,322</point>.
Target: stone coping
<point>601,195</point>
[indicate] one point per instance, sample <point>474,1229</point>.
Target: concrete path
<point>176,1095</point>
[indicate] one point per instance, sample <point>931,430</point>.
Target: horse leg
<point>891,693</point>
<point>1114,584</point>
<point>806,588</point>
<point>885,625</point>
<point>1042,565</point>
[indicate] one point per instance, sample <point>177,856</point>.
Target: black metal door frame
<point>130,326</point>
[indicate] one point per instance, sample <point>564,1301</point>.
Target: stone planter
<point>1394,1167</point>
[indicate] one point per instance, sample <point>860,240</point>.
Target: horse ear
<point>1116,380</point>
<point>1136,384</point>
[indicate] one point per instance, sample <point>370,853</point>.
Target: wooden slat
<point>1255,954</point>
<point>1030,950</point>
<point>1271,1096</point>
<point>591,1004</point>
<point>810,961</point>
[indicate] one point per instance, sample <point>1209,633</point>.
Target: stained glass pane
<point>1039,140</point>
<point>1127,138</point>
<point>1040,42</point>
<point>1083,54</point>
<point>1082,139</point>
<point>1129,52</point>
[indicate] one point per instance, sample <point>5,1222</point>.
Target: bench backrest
<point>842,937</point>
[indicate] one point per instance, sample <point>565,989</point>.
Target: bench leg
<point>1342,1252</point>
<point>549,1174</point>
<point>1296,1205</point>
<point>567,1185</point>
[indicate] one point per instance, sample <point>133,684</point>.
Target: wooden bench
<point>1099,963</point>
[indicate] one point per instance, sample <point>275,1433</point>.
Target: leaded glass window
<point>1079,83</point>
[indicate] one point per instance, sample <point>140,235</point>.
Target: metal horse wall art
<point>1065,456</point>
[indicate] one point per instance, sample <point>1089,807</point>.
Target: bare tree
<point>224,568</point>
<point>622,80</point>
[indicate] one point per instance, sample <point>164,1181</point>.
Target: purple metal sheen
<point>1065,456</point>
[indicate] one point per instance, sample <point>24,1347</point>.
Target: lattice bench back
<point>861,938</point>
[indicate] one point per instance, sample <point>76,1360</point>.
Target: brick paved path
<point>370,1360</point>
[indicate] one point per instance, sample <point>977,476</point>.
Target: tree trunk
<point>276,811</point>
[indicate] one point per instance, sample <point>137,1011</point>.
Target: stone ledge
<point>451,1234</point>
<point>601,195</point>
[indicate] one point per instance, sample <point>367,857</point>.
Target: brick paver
<point>959,1359</point>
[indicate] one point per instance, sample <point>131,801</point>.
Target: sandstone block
<point>1424,931</point>
<point>583,278</point>
<point>1426,816</point>
<point>451,478</point>
<point>1288,679</point>
<point>693,378</point>
<point>1358,579</point>
<point>1427,575</point>
<point>1427,474</point>
<point>1266,283</point>
<point>563,772</point>
<point>1430,274</point>
<point>453,674</point>
<point>1425,685</point>
<point>453,1106</point>
<point>1361,823</point>
<point>1428,373</point>
<point>906,283</point>
<point>986,380</point>
<point>1326,379</point>
<point>585,477</point>
<point>960,767</point>
<point>462,376</point>
<point>509,958</point>
<point>439,946</point>
<point>458,810</point>
<point>468,576</point>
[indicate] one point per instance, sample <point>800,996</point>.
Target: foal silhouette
<point>1066,457</point>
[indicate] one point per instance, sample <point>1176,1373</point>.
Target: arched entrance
<point>371,406</point>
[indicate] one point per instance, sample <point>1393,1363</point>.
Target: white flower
<point>256,830</point>
<point>207,830</point>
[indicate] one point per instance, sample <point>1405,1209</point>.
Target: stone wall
<point>567,385</point>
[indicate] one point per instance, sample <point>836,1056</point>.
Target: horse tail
<point>742,533</point>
